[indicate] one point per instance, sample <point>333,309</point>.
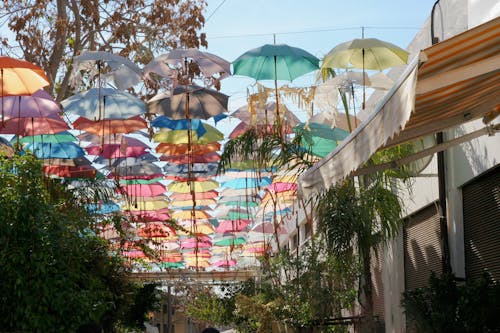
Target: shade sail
<point>450,83</point>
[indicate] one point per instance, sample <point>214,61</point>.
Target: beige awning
<point>450,83</point>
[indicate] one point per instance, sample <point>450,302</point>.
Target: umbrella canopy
<point>20,77</point>
<point>55,150</point>
<point>69,171</point>
<point>265,115</point>
<point>29,106</point>
<point>203,103</point>
<point>275,62</point>
<point>123,72</point>
<point>110,126</point>
<point>243,183</point>
<point>320,139</point>
<point>191,158</point>
<point>182,148</point>
<point>229,241</point>
<point>104,103</point>
<point>200,195</point>
<point>129,147</point>
<point>144,190</point>
<point>367,53</point>
<point>197,169</point>
<point>231,226</point>
<point>49,138</point>
<point>182,136</point>
<point>209,63</point>
<point>33,126</point>
<point>179,124</point>
<point>185,187</point>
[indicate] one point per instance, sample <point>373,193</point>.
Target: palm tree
<point>357,219</point>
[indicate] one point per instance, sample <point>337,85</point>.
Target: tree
<point>56,273</point>
<point>51,32</point>
<point>357,219</point>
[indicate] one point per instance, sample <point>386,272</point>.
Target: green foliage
<point>56,274</point>
<point>445,306</point>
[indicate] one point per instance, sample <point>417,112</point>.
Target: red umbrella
<point>110,126</point>
<point>232,225</point>
<point>68,171</point>
<point>144,190</point>
<point>33,126</point>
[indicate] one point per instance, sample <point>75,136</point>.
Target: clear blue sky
<point>235,26</point>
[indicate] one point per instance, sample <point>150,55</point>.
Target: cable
<point>215,10</point>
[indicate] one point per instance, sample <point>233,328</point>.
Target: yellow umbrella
<point>199,202</point>
<point>181,136</point>
<point>187,214</point>
<point>197,186</point>
<point>146,205</point>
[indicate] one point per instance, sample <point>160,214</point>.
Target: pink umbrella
<point>134,254</point>
<point>199,195</point>
<point>155,229</point>
<point>184,159</point>
<point>143,190</point>
<point>224,263</point>
<point>29,106</point>
<point>151,215</point>
<point>267,228</point>
<point>33,126</point>
<point>192,245</point>
<point>282,187</point>
<point>232,226</point>
<point>131,148</point>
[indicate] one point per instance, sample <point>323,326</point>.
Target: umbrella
<point>334,119</point>
<point>129,147</point>
<point>179,124</point>
<point>126,161</point>
<point>320,139</point>
<point>275,62</point>
<point>183,136</point>
<point>123,71</point>
<point>229,241</point>
<point>29,106</point>
<point>144,190</point>
<point>224,263</point>
<point>182,148</point>
<point>365,53</point>
<point>203,103</point>
<point>104,103</point>
<point>209,64</point>
<point>243,183</point>
<point>55,150</point>
<point>33,126</point>
<point>69,171</point>
<point>49,138</point>
<point>110,126</point>
<point>190,158</point>
<point>231,226</point>
<point>200,195</point>
<point>144,171</point>
<point>264,115</point>
<point>185,187</point>
<point>198,169</point>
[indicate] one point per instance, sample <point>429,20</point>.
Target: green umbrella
<point>275,62</point>
<point>49,138</point>
<point>228,241</point>
<point>320,139</point>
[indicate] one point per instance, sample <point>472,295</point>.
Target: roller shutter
<point>422,247</point>
<point>481,214</point>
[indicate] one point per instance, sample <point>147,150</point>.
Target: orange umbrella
<point>182,148</point>
<point>199,195</point>
<point>110,126</point>
<point>20,77</point>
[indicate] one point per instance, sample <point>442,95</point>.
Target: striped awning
<point>450,83</point>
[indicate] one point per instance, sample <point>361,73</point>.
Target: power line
<point>308,31</point>
<point>215,10</point>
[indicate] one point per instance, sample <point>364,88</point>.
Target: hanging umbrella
<point>191,158</point>
<point>334,119</point>
<point>69,171</point>
<point>104,103</point>
<point>55,150</point>
<point>242,183</point>
<point>97,139</point>
<point>224,263</point>
<point>320,139</point>
<point>182,136</point>
<point>179,124</point>
<point>128,147</point>
<point>144,171</point>
<point>203,103</point>
<point>231,226</point>
<point>209,64</point>
<point>110,126</point>
<point>144,190</point>
<point>275,62</point>
<point>48,138</point>
<point>33,126</point>
<point>29,106</point>
<point>264,115</point>
<point>124,72</point>
<point>185,187</point>
<point>365,53</point>
<point>229,241</point>
<point>182,148</point>
<point>142,159</point>
<point>198,169</point>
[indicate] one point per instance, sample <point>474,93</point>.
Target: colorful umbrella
<point>48,138</point>
<point>180,149</point>
<point>320,139</point>
<point>191,158</point>
<point>185,187</point>
<point>110,126</point>
<point>144,190</point>
<point>183,136</point>
<point>29,106</point>
<point>203,103</point>
<point>275,62</point>
<point>20,77</point>
<point>104,103</point>
<point>55,150</point>
<point>33,126</point>
<point>264,115</point>
<point>197,169</point>
<point>68,171</point>
<point>231,226</point>
<point>199,195</point>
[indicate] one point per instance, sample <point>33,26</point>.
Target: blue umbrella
<point>180,124</point>
<point>104,103</point>
<point>320,139</point>
<point>241,183</point>
<point>63,150</point>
